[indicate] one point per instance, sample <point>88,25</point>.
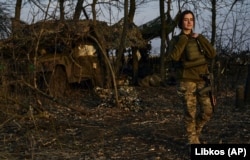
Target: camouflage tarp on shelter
<point>62,36</point>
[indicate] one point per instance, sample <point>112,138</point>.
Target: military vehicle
<point>57,71</point>
<point>51,55</point>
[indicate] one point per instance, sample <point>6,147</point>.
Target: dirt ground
<point>79,128</point>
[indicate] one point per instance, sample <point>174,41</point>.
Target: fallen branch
<point>78,109</point>
<point>8,120</point>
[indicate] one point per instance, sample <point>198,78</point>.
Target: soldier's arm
<point>208,48</point>
<point>176,47</point>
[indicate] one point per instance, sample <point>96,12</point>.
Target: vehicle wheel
<point>58,83</point>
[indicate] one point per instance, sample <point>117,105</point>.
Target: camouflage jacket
<point>181,48</point>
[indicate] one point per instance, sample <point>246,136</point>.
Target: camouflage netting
<point>134,36</point>
<point>62,36</point>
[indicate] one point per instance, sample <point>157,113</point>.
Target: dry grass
<point>34,127</point>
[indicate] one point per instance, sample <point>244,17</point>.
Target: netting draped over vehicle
<point>61,36</point>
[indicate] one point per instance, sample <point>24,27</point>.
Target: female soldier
<point>191,51</point>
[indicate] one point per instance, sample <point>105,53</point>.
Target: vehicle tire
<point>58,83</point>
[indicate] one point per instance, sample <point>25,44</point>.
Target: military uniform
<point>191,55</point>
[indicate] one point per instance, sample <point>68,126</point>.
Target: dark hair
<point>182,17</point>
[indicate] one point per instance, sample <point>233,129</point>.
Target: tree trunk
<point>78,10</point>
<point>101,43</point>
<point>61,4</point>
<point>213,22</point>
<point>163,38</point>
<point>135,66</point>
<point>131,13</point>
<point>18,9</point>
<point>16,21</point>
<point>122,39</point>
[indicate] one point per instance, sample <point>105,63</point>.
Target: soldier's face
<point>188,22</point>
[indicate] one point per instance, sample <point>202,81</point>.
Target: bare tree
<point>163,35</point>
<point>18,9</point>
<point>134,49</point>
<point>5,27</point>
<point>16,20</point>
<point>160,26</point>
<point>213,36</point>
<point>100,41</point>
<point>78,9</point>
<point>62,12</point>
<point>123,37</point>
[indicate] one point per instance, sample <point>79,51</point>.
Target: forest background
<point>37,125</point>
<point>224,23</point>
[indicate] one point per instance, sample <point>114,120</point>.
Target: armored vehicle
<point>50,56</point>
<point>57,71</point>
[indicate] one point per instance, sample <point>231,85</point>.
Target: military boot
<point>191,133</point>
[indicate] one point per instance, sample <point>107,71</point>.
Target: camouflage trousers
<point>197,108</point>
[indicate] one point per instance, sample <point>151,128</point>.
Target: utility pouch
<point>192,50</point>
